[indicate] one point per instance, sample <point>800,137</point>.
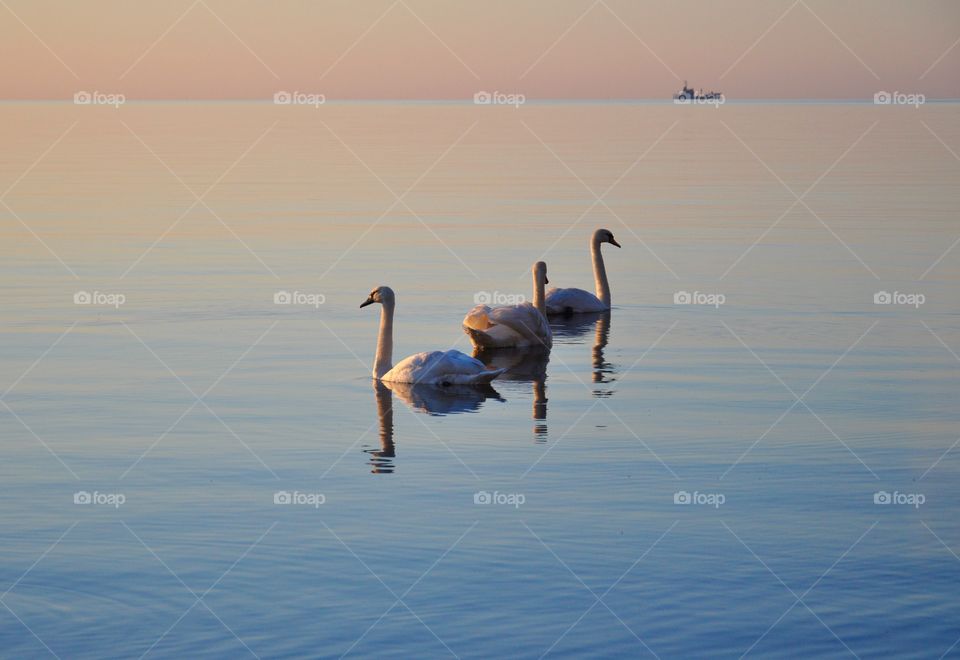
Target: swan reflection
<point>446,399</point>
<point>430,399</point>
<point>527,365</point>
<point>577,326</point>
<point>381,460</point>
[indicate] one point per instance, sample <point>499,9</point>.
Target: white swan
<point>575,301</point>
<point>513,325</point>
<point>434,368</point>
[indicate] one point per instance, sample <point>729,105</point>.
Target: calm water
<point>199,399</point>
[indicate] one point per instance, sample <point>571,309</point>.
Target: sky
<point>450,49</point>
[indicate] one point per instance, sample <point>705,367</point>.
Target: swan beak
<point>614,242</point>
<point>368,301</point>
<point>546,280</point>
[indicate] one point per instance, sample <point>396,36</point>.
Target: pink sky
<point>451,48</point>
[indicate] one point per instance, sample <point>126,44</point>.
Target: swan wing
<point>525,320</point>
<point>496,336</point>
<point>512,325</point>
<point>572,301</point>
<point>441,368</point>
<point>478,318</point>
<point>455,363</point>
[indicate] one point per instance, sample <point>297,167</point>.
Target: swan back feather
<point>441,368</point>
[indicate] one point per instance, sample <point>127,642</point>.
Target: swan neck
<point>383,361</point>
<point>539,299</point>
<point>600,273</point>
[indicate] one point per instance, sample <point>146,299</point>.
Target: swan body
<point>512,326</point>
<point>578,301</point>
<point>440,368</point>
<point>430,368</point>
<point>573,301</point>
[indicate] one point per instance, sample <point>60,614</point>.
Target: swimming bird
<point>512,326</point>
<point>433,368</point>
<point>575,301</point>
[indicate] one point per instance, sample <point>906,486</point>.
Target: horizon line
<point>469,101</point>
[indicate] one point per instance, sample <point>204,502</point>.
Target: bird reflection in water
<point>523,365</point>
<point>381,460</point>
<point>578,325</point>
<point>430,399</point>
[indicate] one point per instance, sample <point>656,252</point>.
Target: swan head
<point>382,295</point>
<point>605,236</point>
<point>540,272</point>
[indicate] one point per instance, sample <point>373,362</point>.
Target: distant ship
<point>688,94</point>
